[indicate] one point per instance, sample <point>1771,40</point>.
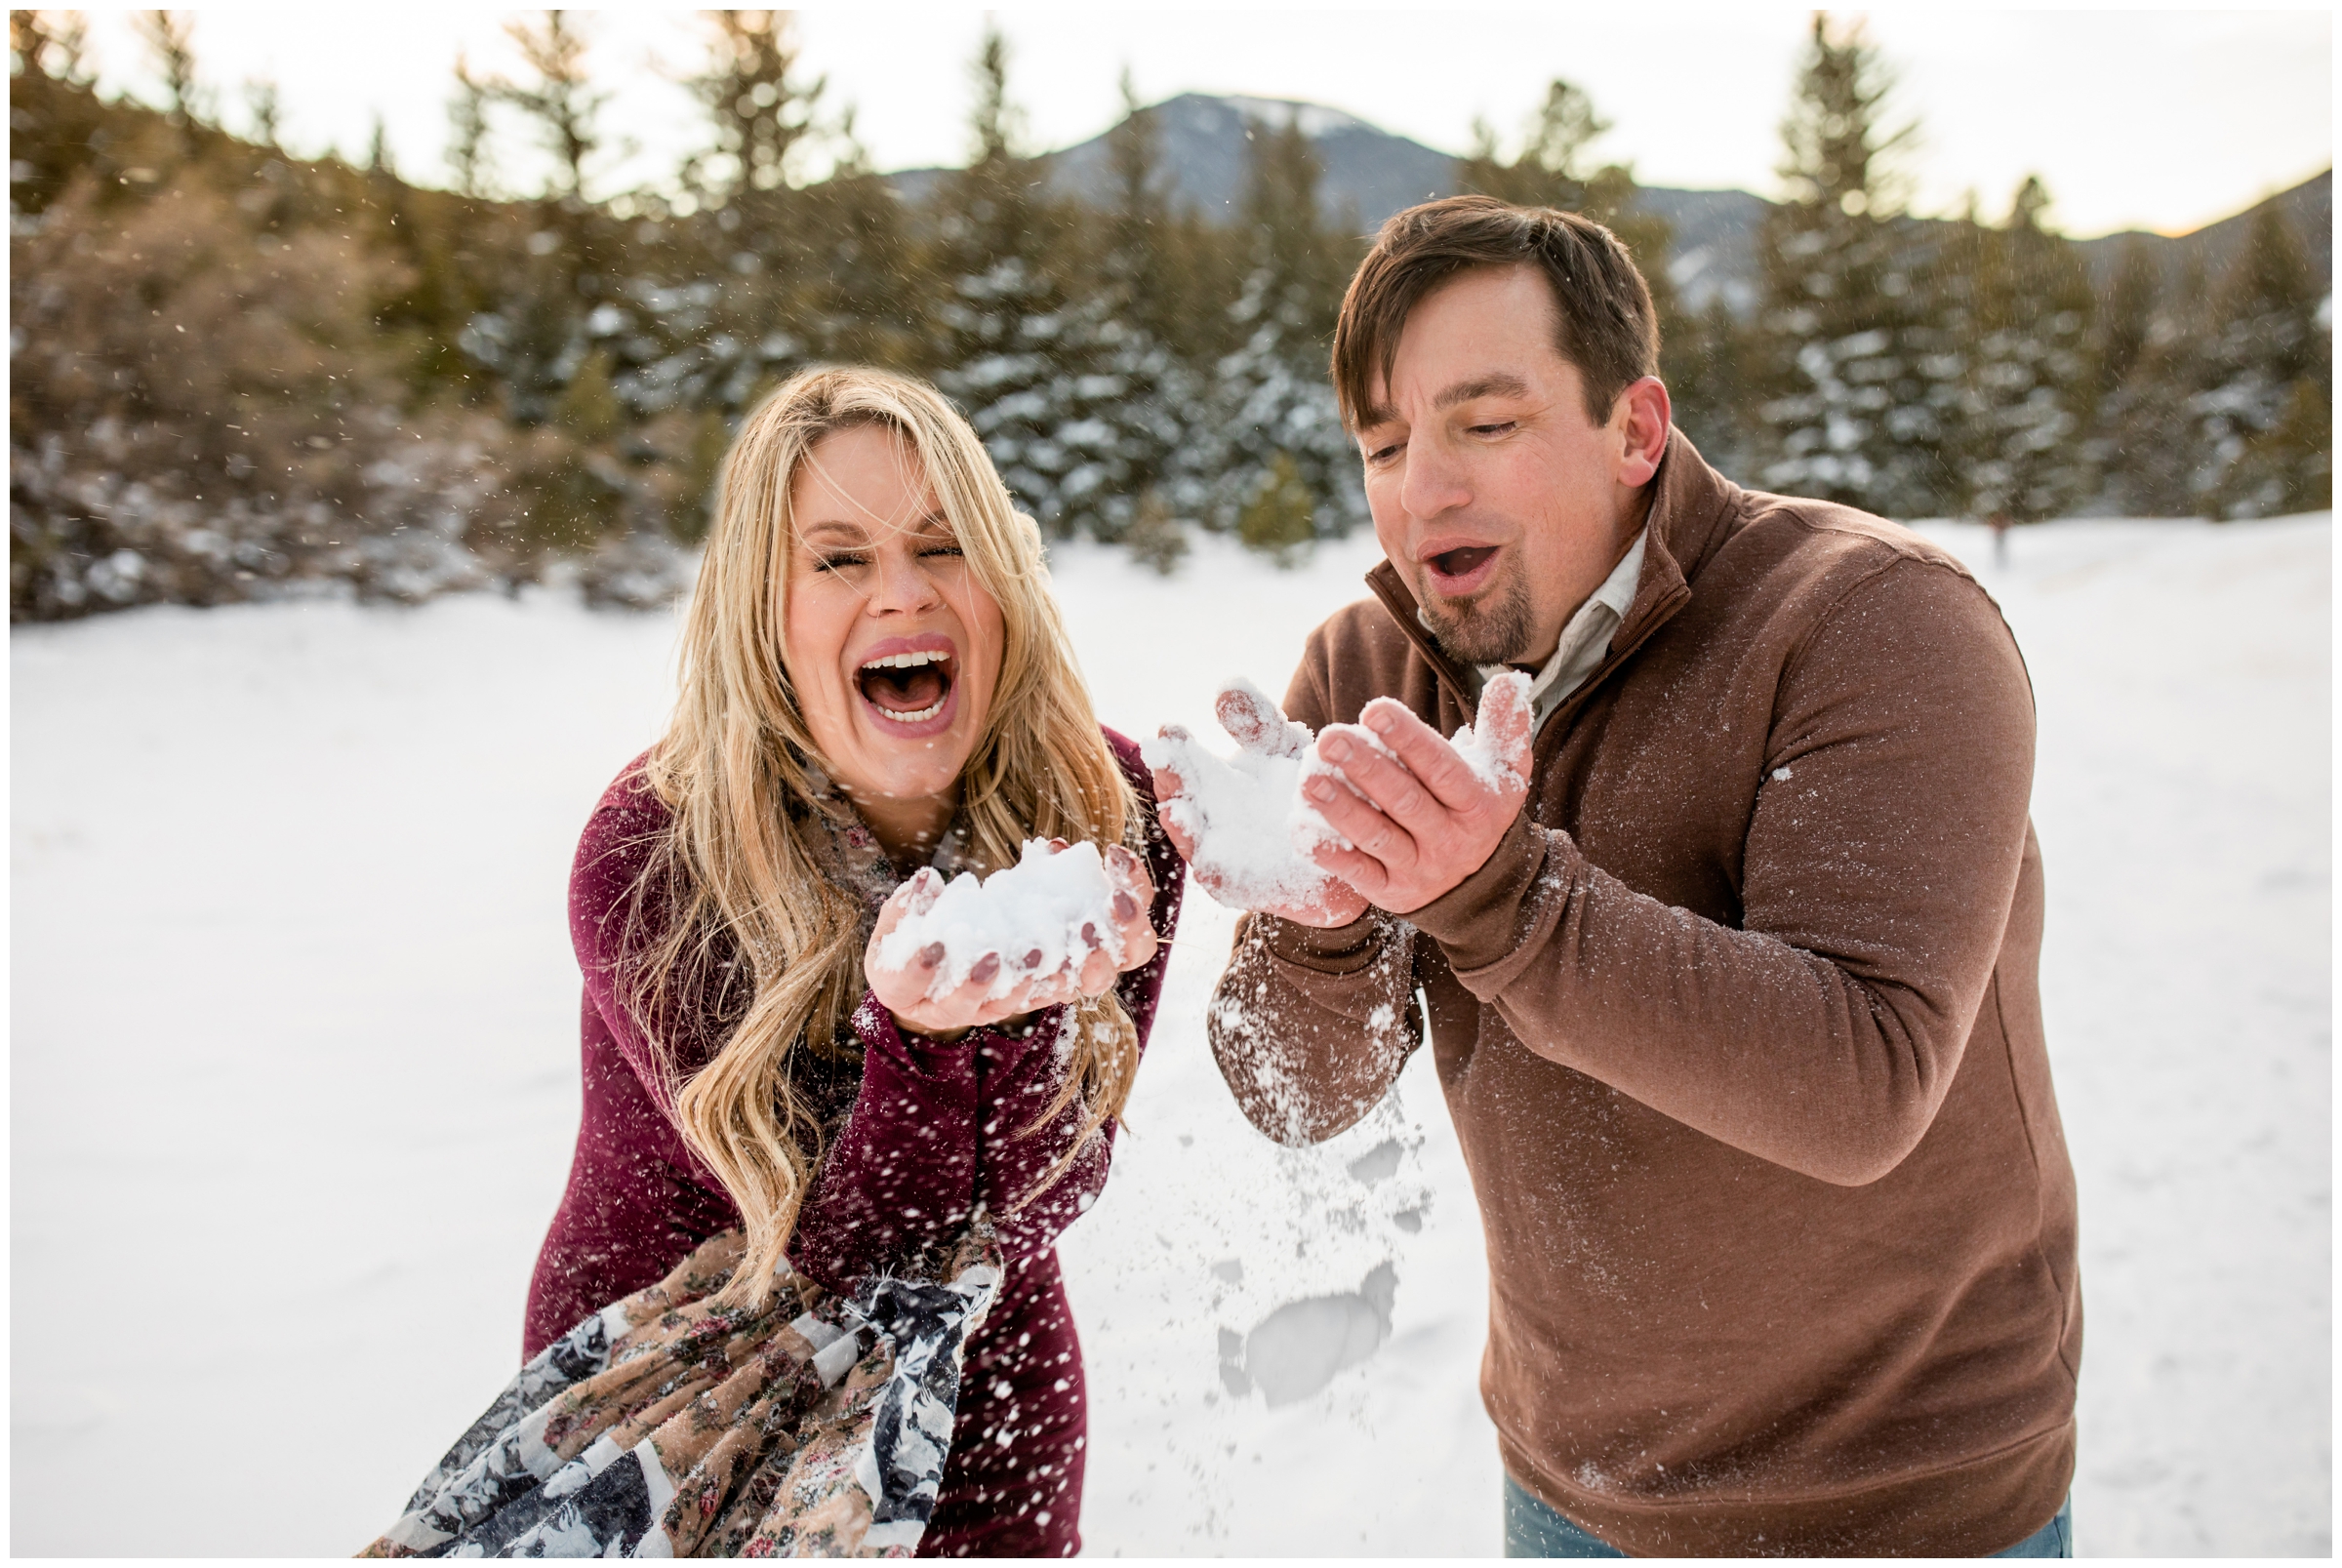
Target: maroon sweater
<point>926,1136</point>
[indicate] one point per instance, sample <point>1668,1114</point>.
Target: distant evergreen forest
<point>236,373</point>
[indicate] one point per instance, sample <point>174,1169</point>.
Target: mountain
<point>2310,205</point>
<point>1371,172</point>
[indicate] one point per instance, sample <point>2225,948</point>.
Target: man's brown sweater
<point>1741,1031</point>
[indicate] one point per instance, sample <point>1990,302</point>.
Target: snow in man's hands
<point>1041,917</point>
<point>1495,746</point>
<point>1252,827</point>
<point>1245,814</point>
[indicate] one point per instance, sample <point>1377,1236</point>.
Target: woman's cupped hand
<point>907,989</point>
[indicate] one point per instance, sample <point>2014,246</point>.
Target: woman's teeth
<point>894,683</point>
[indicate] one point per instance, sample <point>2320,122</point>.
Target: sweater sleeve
<point>1880,864</point>
<point>613,853</point>
<point>1310,1027</point>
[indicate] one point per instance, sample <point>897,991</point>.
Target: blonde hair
<point>735,877</point>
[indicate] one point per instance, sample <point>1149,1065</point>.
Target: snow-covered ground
<point>293,1081</point>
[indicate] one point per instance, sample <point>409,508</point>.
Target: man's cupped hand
<point>1421,813</point>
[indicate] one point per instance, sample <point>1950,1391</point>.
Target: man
<point>1730,984</point>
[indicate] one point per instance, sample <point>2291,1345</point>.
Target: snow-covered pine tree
<point>533,337</point>
<point>1126,448</point>
<point>1706,362</point>
<point>2152,454</point>
<point>2124,324</point>
<point>2266,377</point>
<point>871,293</point>
<point>699,329</point>
<point>1014,349</point>
<point>2221,415</point>
<point>2026,373</point>
<point>1850,413</point>
<point>2127,317</point>
<point>1273,395</point>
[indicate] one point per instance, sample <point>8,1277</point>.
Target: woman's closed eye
<point>839,560</point>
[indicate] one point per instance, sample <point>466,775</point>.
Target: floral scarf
<point>666,1426</point>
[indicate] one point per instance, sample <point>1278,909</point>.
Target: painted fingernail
<point>1121,857</point>
<point>1089,931</point>
<point>985,968</point>
<point>1032,960</point>
<point>1058,843</point>
<point>1125,906</point>
<point>931,956</point>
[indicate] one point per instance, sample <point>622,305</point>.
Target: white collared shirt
<point>1585,640</point>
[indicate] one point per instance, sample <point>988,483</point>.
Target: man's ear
<point>1640,416</point>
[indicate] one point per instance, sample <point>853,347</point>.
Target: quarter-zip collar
<point>1691,504</point>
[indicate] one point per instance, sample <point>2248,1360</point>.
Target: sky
<point>2161,120</point>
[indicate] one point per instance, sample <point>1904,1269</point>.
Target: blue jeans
<point>1533,1530</point>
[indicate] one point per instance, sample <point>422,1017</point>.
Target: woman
<point>874,679</point>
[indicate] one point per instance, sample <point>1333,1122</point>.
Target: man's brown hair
<point>1609,330</point>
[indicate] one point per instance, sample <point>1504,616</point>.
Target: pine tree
<point>726,321</point>
<point>562,100</point>
<point>2288,467</point>
<point>1024,363</point>
<point>264,103</point>
<point>1280,517</point>
<point>1135,429</point>
<point>468,134</point>
<point>2153,445</point>
<point>762,115</point>
<point>1154,537</point>
<point>1273,399</point>
<point>1851,414</point>
<point>537,336</point>
<point>2128,315</point>
<point>2267,342</point>
<point>57,125</point>
<point>868,291</point>
<point>169,36</point>
<point>1705,359</point>
<point>2026,375</point>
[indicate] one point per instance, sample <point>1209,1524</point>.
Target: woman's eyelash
<point>843,559</point>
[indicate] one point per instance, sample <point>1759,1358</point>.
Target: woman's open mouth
<point>908,688</point>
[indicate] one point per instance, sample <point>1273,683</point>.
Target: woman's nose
<point>903,582</point>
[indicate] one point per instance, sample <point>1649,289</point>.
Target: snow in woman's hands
<point>1041,916</point>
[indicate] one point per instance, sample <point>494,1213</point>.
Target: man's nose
<point>1433,481</point>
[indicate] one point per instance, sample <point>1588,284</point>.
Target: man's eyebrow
<point>1500,384</point>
